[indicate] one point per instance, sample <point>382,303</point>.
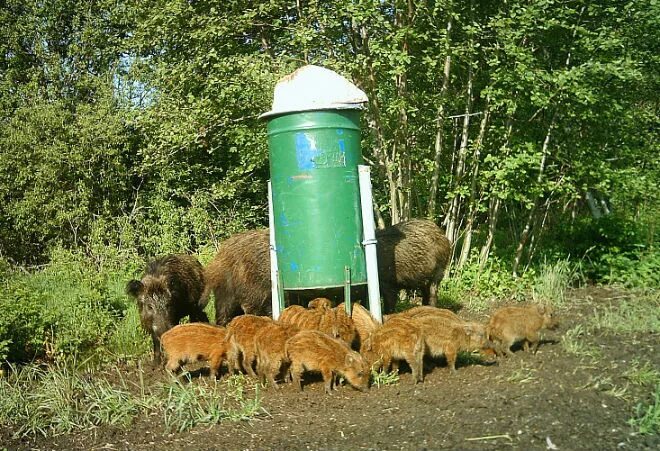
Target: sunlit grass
<point>207,402</point>
<point>53,401</point>
<point>641,315</point>
<point>383,378</point>
<point>646,417</point>
<point>639,374</point>
<point>553,281</point>
<point>573,342</point>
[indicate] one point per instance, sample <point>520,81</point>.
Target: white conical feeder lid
<point>315,88</point>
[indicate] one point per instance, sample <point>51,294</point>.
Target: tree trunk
<point>439,123</point>
<point>472,201</point>
<point>456,203</point>
<point>530,217</point>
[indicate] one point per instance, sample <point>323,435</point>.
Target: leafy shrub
<point>614,249</point>
<point>74,306</point>
<point>21,322</point>
<point>477,288</point>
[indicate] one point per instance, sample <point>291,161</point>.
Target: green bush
<point>21,321</point>
<point>477,288</point>
<point>73,307</point>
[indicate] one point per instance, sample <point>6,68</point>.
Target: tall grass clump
<point>37,400</point>
<point>129,340</point>
<point>552,282</point>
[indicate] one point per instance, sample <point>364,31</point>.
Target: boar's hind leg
<point>248,360</point>
<point>215,362</point>
<point>532,339</point>
<point>296,371</point>
<point>328,378</point>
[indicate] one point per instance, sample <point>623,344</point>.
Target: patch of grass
<point>646,418</point>
<point>36,400</point>
<point>522,375</point>
<point>605,385</point>
<point>639,374</point>
<point>554,279</point>
<point>188,404</point>
<point>129,340</point>
<point>573,343</point>
<point>639,315</point>
<point>383,378</point>
<point>45,401</point>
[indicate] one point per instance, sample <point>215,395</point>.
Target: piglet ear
<point>468,328</point>
<point>541,309</point>
<point>134,288</point>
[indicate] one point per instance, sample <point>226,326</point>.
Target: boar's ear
<point>541,309</point>
<point>469,329</point>
<point>134,288</point>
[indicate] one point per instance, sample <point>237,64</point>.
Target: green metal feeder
<point>314,149</point>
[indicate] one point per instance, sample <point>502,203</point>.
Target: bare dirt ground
<point>551,400</point>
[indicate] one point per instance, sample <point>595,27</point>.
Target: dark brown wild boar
<point>411,254</point>
<point>269,344</point>
<point>193,342</point>
<point>511,324</point>
<point>171,288</point>
<point>447,338</point>
<point>239,276</point>
<point>398,339</point>
<point>240,338</point>
<point>311,350</point>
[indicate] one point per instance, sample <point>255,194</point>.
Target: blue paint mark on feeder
<point>305,152</point>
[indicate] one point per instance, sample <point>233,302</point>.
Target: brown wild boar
<point>448,315</point>
<point>333,322</point>
<point>269,344</point>
<point>239,276</point>
<point>424,310</point>
<point>447,338</point>
<point>398,339</point>
<point>240,338</point>
<point>363,322</point>
<point>411,254</point>
<point>342,326</point>
<point>305,319</point>
<point>511,324</point>
<point>193,342</point>
<point>311,350</point>
<point>171,288</point>
<point>320,303</point>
